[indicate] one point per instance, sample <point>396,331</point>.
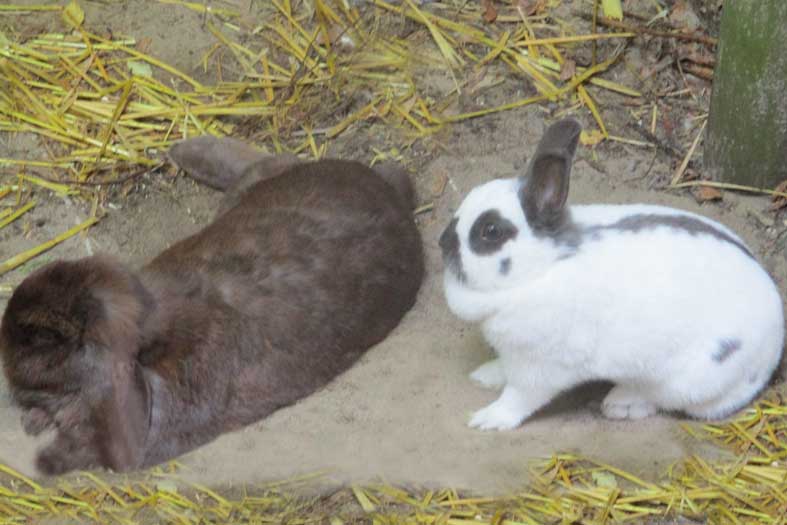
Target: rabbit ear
<point>545,189</point>
<point>122,416</point>
<point>217,162</point>
<point>120,401</point>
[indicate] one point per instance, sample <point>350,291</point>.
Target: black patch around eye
<point>490,232</point>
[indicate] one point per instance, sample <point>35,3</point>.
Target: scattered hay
<point>104,108</point>
<point>104,113</point>
<point>565,489</point>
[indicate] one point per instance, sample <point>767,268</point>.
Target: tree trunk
<point>747,129</point>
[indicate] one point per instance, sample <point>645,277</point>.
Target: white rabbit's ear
<point>545,189</point>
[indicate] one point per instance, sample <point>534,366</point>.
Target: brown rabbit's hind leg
<point>216,162</point>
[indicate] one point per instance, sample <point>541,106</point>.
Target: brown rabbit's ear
<point>545,189</point>
<point>122,416</point>
<point>216,162</point>
<point>119,399</point>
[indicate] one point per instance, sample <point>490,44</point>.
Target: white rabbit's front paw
<point>490,374</point>
<point>506,413</point>
<point>496,416</point>
<point>623,402</point>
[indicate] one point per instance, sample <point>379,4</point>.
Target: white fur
<point>647,310</point>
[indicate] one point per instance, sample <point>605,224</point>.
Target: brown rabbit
<point>306,266</point>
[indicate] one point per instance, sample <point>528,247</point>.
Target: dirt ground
<point>401,413</point>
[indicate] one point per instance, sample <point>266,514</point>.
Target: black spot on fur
<point>727,347</point>
<point>490,232</point>
<point>572,235</point>
<point>505,266</point>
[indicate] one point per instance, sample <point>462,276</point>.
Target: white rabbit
<point>670,306</point>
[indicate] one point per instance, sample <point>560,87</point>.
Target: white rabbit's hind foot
<point>489,375</point>
<point>507,412</point>
<point>623,402</point>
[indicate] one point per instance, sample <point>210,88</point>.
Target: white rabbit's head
<point>508,230</point>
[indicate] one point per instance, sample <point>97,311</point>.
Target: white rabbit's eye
<point>491,232</point>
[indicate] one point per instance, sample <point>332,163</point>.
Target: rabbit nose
<point>449,240</point>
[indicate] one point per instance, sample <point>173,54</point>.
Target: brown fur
<point>295,279</point>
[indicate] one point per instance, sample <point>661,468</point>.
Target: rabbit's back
<point>655,278</point>
<point>330,237</point>
<point>308,271</point>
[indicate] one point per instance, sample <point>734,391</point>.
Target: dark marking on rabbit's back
<point>727,347</point>
<point>690,225</point>
<point>573,235</point>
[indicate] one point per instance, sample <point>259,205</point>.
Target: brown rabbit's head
<point>62,317</point>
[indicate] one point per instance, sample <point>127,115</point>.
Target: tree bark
<point>747,129</point>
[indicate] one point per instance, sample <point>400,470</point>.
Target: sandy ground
<point>400,414</point>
